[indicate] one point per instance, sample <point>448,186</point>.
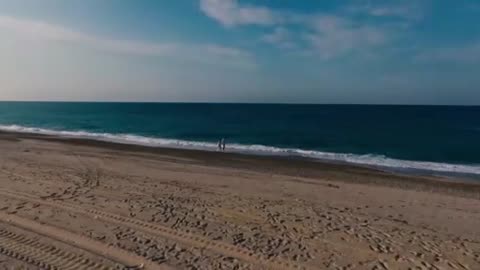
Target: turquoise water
<point>424,138</point>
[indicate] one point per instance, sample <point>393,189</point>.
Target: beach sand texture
<point>78,204</point>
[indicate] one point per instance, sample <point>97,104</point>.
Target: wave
<point>379,161</point>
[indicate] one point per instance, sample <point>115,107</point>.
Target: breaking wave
<point>366,160</point>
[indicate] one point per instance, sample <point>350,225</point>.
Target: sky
<point>272,51</point>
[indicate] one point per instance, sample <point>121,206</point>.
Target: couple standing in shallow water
<point>221,145</point>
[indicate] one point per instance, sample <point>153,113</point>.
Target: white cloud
<point>230,13</point>
<point>280,37</point>
<point>407,10</point>
<point>464,54</point>
<point>226,51</point>
<point>389,11</point>
<point>329,36</point>
<point>38,30</point>
<point>334,36</point>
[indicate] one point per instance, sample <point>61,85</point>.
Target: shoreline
<point>440,169</point>
<point>286,165</point>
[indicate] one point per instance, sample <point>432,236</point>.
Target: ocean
<point>441,140</point>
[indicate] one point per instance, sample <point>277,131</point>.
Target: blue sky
<point>357,51</point>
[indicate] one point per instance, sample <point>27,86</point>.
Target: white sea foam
<point>368,160</point>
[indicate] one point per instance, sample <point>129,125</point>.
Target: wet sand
<point>74,203</point>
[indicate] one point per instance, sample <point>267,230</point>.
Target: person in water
<point>223,144</point>
<point>220,145</point>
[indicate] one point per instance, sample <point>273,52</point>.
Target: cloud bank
<point>43,31</point>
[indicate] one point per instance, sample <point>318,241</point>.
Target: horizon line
<point>239,103</point>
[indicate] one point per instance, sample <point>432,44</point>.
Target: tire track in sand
<point>46,256</point>
<point>166,232</point>
<point>42,255</point>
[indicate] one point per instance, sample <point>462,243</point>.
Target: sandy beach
<point>79,204</point>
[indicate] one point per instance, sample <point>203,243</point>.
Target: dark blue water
<point>438,138</point>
